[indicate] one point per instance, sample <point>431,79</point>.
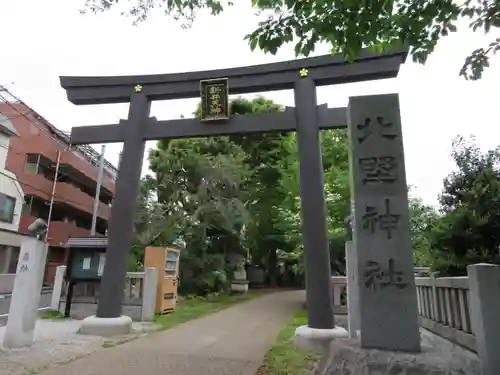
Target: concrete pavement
<point>230,342</point>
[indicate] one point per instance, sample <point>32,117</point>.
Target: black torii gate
<point>302,75</point>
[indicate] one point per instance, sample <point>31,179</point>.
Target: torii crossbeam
<point>152,129</point>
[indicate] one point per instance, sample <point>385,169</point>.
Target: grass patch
<point>51,314</point>
<point>192,308</point>
<point>283,358</point>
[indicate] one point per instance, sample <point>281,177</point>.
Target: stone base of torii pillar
<point>106,327</point>
<point>317,340</point>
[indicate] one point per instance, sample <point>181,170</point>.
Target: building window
<point>26,210</point>
<point>31,165</point>
<point>7,207</point>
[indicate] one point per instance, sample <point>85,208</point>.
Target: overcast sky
<point>45,39</point>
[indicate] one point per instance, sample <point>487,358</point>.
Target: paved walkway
<point>230,342</point>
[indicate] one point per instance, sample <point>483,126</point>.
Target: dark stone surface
<point>122,215</point>
<point>313,208</point>
<point>325,70</point>
<point>387,293</point>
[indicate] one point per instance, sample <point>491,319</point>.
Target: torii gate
<point>302,75</point>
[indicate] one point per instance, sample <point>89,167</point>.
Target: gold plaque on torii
<point>214,99</point>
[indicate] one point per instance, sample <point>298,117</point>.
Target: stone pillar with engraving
<point>23,310</point>
<point>381,233</point>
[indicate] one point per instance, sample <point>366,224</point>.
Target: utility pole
<point>98,191</point>
<point>56,176</point>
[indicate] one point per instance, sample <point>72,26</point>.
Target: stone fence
<point>7,282</point>
<point>139,295</point>
<point>443,306</point>
<point>88,292</point>
<point>461,311</point>
<point>339,288</point>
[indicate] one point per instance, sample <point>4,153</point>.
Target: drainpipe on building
<point>52,197</point>
<point>97,191</point>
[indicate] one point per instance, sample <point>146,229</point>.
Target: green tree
<point>226,197</point>
<point>266,157</point>
<point>469,229</point>
<point>422,220</point>
<point>348,25</point>
<point>192,198</point>
<point>237,194</point>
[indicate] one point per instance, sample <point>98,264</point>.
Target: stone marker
<point>352,289</point>
<point>149,294</point>
<point>58,288</point>
<point>484,286</point>
<point>381,234</point>
<point>23,311</point>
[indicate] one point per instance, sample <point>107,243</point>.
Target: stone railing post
<point>484,285</point>
<point>435,307</point>
<point>337,293</point>
<point>150,286</point>
<point>57,288</point>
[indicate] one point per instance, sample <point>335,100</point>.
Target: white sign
<point>100,268</point>
<point>86,263</point>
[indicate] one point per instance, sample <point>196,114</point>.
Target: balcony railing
<point>59,231</point>
<point>68,157</point>
<point>73,196</point>
<point>37,185</point>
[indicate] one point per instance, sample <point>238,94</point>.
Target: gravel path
<point>56,343</point>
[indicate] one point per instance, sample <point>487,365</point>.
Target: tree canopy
<point>225,195</point>
<point>465,229</point>
<point>347,25</point>
<point>468,230</point>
